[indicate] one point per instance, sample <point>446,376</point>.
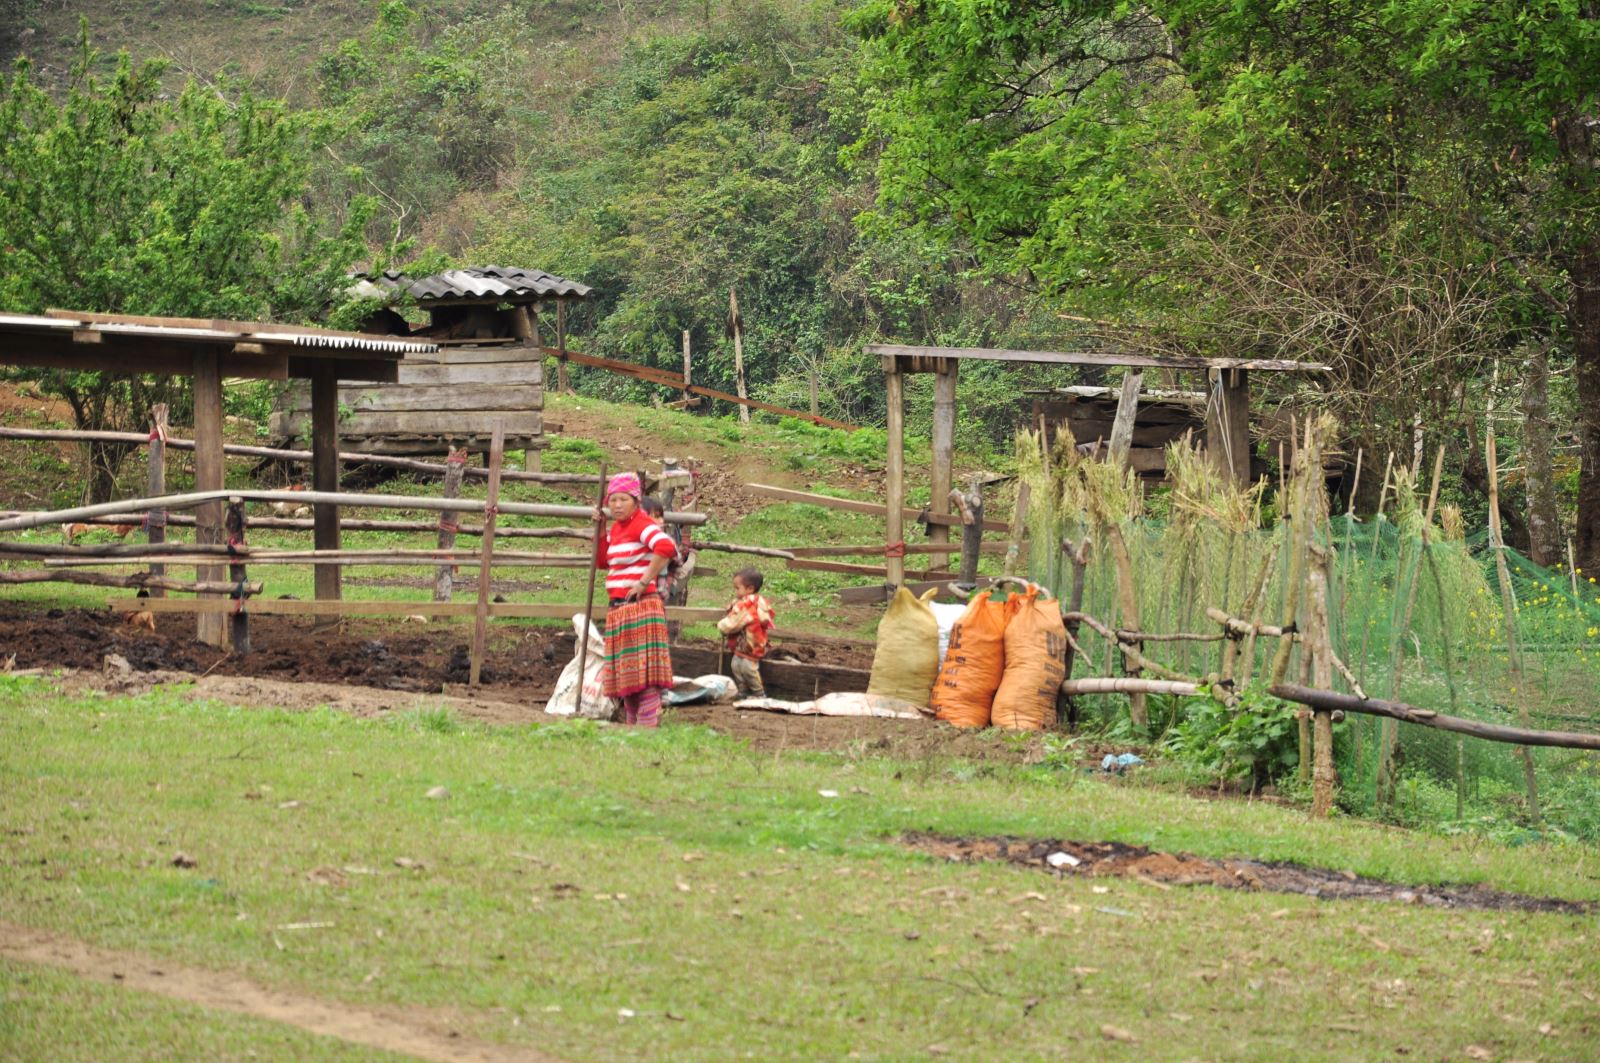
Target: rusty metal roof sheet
<point>489,283</point>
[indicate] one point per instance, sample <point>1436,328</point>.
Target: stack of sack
<point>1003,666</point>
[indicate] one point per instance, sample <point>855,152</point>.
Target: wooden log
<point>736,548</point>
<point>1407,713</point>
<point>790,681</point>
<point>1234,626</point>
<point>879,593</point>
<point>1078,555</point>
<point>140,580</point>
<point>852,505</point>
<point>372,607</point>
<point>970,508</point>
<point>1124,685</point>
<point>688,379</point>
<point>1128,597</point>
<point>356,524</point>
<point>449,520</point>
<point>894,475</point>
<point>944,448</point>
<point>156,483</point>
<point>445,398</point>
<point>348,558</point>
<point>480,627</point>
<point>1228,423</point>
<point>871,550</point>
<point>882,571</point>
<point>208,476</point>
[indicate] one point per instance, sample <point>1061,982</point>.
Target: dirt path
<point>217,989</point>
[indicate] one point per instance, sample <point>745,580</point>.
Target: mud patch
<point>1114,859</point>
<point>409,1033</point>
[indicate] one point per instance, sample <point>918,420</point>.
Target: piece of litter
<point>683,887</point>
<point>1062,860</point>
<point>436,793</point>
<point>827,793</point>
<point>290,804</point>
<point>1117,1033</point>
<point>1115,911</point>
<point>1100,889</point>
<point>304,926</point>
<point>625,1013</point>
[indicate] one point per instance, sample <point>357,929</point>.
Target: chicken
<point>122,531</point>
<point>144,619</point>
<point>70,532</point>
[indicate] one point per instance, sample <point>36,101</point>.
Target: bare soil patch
<point>412,1032</point>
<point>1114,859</point>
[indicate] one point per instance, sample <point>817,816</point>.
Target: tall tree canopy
<point>121,198</point>
<point>1404,188</point>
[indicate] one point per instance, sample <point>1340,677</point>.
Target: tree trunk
<point>1544,520</point>
<point>104,461</point>
<point>1583,320</point>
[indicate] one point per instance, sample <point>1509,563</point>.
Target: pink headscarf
<point>625,483</point>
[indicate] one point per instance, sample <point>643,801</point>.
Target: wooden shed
<point>490,324</point>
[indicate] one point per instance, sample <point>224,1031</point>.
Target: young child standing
<point>747,624</point>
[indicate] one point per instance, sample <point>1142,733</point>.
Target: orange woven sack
<point>1036,647</point>
<point>973,665</point>
<point>906,661</point>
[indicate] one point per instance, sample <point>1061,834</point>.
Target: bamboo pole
<point>588,596</point>
<point>1124,685</point>
<point>480,626</point>
<point>356,524</point>
<point>736,328</point>
<point>1508,604</point>
<point>1322,775</point>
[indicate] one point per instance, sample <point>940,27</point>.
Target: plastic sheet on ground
<point>700,688</point>
<point>841,703</point>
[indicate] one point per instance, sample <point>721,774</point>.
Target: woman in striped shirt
<point>634,551</point>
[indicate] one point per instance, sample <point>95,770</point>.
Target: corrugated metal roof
<point>201,332</point>
<point>498,283</point>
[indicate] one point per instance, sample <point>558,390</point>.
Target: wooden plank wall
<point>458,392</point>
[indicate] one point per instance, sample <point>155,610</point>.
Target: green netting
<point>1419,623</point>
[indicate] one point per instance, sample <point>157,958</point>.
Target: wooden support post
<point>156,520</point>
<point>944,437</point>
<point>1228,422</point>
<point>588,594</point>
<point>811,380</point>
<point>1127,414</point>
<point>480,625</point>
<point>971,506</point>
<point>1508,604</point>
<point>562,382</point>
<point>325,477</point>
<point>449,522</point>
<point>736,327</point>
<point>688,379</point>
<point>208,476</point>
<point>1323,772</point>
<point>894,473</point>
<point>239,621</point>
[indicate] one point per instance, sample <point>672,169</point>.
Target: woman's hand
<point>597,514</point>
<point>635,590</point>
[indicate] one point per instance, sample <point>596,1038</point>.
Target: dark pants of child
<point>747,677</point>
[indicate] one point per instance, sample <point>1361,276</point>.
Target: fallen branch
<point>1240,628</point>
<point>1130,652</point>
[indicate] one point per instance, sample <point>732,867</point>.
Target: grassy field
<point>601,894</point>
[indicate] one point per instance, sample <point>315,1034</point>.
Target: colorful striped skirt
<point>636,647</point>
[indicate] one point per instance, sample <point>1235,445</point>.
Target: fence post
<point>480,627</point>
<point>156,520</point>
<point>456,466</point>
<point>239,622</point>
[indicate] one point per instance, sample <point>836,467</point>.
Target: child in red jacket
<point>746,626</point>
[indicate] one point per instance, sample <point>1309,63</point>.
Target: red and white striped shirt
<point>628,547</point>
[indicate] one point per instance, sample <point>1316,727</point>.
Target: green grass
<point>590,869</point>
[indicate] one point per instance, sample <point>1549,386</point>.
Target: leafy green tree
<point>121,199</point>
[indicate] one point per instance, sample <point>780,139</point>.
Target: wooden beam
<point>894,472</point>
<point>1228,423</point>
<point>325,474</point>
<point>209,467</point>
<point>1406,713</point>
<point>882,592</point>
<point>1127,413</point>
<point>1109,358</point>
<point>851,505</point>
<point>866,570</point>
